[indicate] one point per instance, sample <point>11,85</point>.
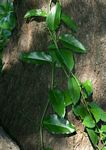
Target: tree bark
<point>24,87</point>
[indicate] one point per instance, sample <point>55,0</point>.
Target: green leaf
<point>74,89</point>
<point>35,13</point>
<point>57,125</point>
<point>64,57</point>
<point>67,98</point>
<point>69,22</point>
<point>72,43</point>
<point>7,16</point>
<point>103,128</point>
<point>103,116</point>
<point>80,111</point>
<point>67,58</point>
<point>55,60</point>
<point>57,100</point>
<point>36,57</point>
<point>53,18</point>
<point>89,122</point>
<point>87,85</point>
<point>93,136</point>
<point>96,111</point>
<point>52,46</point>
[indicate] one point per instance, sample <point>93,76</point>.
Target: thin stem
<point>41,124</point>
<point>46,107</point>
<point>53,36</point>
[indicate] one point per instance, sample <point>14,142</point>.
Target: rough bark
<point>23,87</point>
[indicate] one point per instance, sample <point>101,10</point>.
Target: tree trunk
<point>24,87</point>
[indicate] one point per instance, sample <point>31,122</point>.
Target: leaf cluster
<point>7,23</point>
<point>60,53</point>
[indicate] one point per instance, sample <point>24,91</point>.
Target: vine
<point>78,95</point>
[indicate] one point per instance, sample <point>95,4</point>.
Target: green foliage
<point>67,98</point>
<point>89,122</point>
<point>36,57</point>
<point>57,125</point>
<point>93,136</point>
<point>70,42</point>
<point>35,13</point>
<point>54,17</point>
<point>69,22</point>
<point>74,89</point>
<point>57,100</point>
<point>60,53</point>
<point>87,86</point>
<point>7,24</point>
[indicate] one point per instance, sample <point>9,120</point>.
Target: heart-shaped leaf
<point>69,22</point>
<point>53,18</point>
<point>35,13</point>
<point>93,136</point>
<point>74,89</point>
<point>89,122</point>
<point>72,43</point>
<point>57,125</point>
<point>57,100</point>
<point>36,57</point>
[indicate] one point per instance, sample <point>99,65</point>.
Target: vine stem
<point>53,35</point>
<point>41,124</point>
<point>46,107</point>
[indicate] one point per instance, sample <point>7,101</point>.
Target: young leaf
<point>93,136</point>
<point>74,90</point>
<point>57,125</point>
<point>69,22</point>
<point>87,85</point>
<point>80,111</point>
<point>57,100</point>
<point>72,43</point>
<point>35,13</point>
<point>89,122</point>
<point>67,98</point>
<point>53,18</point>
<point>36,57</point>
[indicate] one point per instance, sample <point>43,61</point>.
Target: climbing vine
<point>77,95</point>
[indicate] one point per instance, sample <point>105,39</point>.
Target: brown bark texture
<point>24,87</point>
